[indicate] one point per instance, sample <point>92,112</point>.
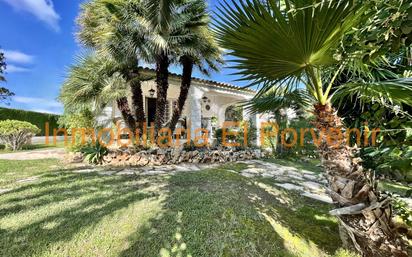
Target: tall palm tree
<point>284,45</point>
<point>157,31</point>
<point>159,16</point>
<point>169,31</point>
<point>104,26</point>
<point>199,50</point>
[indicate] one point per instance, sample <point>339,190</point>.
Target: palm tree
<point>284,45</point>
<point>92,83</point>
<point>200,49</point>
<point>104,26</point>
<point>167,32</point>
<point>159,16</point>
<point>157,31</point>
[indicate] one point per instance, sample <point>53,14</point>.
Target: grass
<point>33,147</point>
<point>397,188</point>
<point>310,165</point>
<point>213,212</point>
<point>13,171</point>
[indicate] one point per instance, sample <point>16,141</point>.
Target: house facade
<point>209,104</point>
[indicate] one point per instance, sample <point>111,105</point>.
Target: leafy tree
<point>2,66</point>
<point>284,45</point>
<point>4,92</point>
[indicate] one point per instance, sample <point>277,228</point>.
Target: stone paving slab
<point>319,197</point>
<point>307,182</point>
<point>313,186</point>
<point>289,186</point>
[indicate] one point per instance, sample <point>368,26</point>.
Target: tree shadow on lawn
<point>59,206</point>
<point>220,213</point>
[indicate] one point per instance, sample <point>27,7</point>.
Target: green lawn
<point>213,212</point>
<point>311,164</point>
<point>394,187</point>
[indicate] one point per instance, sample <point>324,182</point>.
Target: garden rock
<point>158,157</point>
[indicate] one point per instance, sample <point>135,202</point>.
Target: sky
<point>38,39</point>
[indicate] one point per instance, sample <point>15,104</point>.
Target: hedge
<point>35,118</point>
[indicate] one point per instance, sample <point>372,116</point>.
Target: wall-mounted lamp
<point>152,92</point>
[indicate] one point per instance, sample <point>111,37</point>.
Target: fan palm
<point>199,49</point>
<point>105,27</point>
<point>92,83</point>
<point>174,25</point>
<point>285,45</point>
<point>156,31</point>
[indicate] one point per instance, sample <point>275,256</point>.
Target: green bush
<point>236,135</point>
<point>84,119</point>
<point>94,154</point>
<point>36,118</point>
<point>14,134</point>
<point>392,155</point>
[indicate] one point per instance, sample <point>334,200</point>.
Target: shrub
<point>84,119</point>
<point>236,135</point>
<point>14,134</point>
<point>94,154</point>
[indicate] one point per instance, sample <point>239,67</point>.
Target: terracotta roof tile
<point>210,82</point>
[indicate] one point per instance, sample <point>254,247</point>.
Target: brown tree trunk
<point>162,81</point>
<point>137,97</point>
<point>123,106</point>
<point>187,63</point>
<point>364,214</point>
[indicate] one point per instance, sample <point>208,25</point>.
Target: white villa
<point>209,103</point>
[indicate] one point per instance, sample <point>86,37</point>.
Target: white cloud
<point>17,56</point>
<point>42,9</point>
<point>44,111</point>
<point>37,101</point>
<point>37,104</point>
<point>13,69</point>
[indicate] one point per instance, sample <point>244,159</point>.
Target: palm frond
<point>92,83</point>
<point>273,100</point>
<point>273,42</point>
<point>393,92</point>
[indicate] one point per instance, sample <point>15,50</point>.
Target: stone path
<point>307,183</point>
<point>55,153</point>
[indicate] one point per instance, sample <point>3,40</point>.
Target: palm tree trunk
<point>162,80</point>
<point>187,63</point>
<point>123,106</point>
<point>364,214</point>
<point>137,98</point>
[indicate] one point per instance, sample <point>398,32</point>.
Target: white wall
<point>220,98</point>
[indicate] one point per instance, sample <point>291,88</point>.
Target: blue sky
<point>39,44</point>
